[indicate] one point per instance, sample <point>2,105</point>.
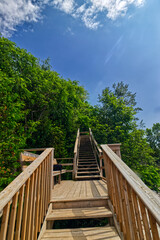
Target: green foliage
<point>114,121</point>
<point>38,108</point>
<point>151,176</point>
<point>12,135</point>
<point>153,138</point>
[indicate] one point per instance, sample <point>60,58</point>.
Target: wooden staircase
<point>87,210</point>
<point>33,205</point>
<point>87,166</point>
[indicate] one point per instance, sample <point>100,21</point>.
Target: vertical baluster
<point>19,214</point>
<point>13,217</point>
<point>48,186</point>
<point>118,213</point>
<point>127,235</point>
<point>37,221</point>
<point>25,211</point>
<point>129,215</point>
<point>41,195</point>
<point>34,202</point>
<point>44,197</point>
<point>138,217</point>
<point>113,189</point>
<point>154,229</point>
<point>31,190</point>
<point>145,220</point>
<point>4,223</point>
<point>133,217</point>
<point>121,215</point>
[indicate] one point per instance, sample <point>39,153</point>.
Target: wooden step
<point>87,172</point>
<point>88,169</point>
<point>80,203</point>
<point>87,160</point>
<point>79,213</point>
<point>88,177</point>
<point>84,165</point>
<point>94,233</point>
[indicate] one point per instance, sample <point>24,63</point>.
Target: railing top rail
<point>95,142</point>
<point>148,197</point>
<point>7,194</point>
<point>34,149</point>
<point>76,142</point>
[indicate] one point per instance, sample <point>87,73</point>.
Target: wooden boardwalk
<point>76,190</point>
<point>113,204</point>
<point>78,200</point>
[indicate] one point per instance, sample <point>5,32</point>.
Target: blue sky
<point>97,42</point>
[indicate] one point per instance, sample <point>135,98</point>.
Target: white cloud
<point>64,5</point>
<point>16,12</point>
<point>90,10</point>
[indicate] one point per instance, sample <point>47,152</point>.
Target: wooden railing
<point>24,202</point>
<point>65,163</point>
<point>135,207</point>
<point>76,152</point>
<point>98,152</point>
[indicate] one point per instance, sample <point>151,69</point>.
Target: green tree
<point>115,122</point>
<point>153,138</point>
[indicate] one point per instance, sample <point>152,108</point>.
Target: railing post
<point>74,166</point>
<point>115,148</point>
<point>76,148</point>
<point>52,157</point>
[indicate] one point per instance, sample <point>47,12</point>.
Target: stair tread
<point>92,233</point>
<point>91,164</point>
<point>87,172</point>
<point>79,213</point>
<point>88,168</point>
<point>91,176</point>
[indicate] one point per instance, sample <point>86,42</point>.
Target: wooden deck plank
<point>101,187</point>
<point>94,190</point>
<point>79,213</point>
<point>71,190</point>
<point>96,233</point>
<point>89,191</point>
<point>83,190</point>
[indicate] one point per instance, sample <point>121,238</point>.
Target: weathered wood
<point>19,214</point>
<point>34,149</point>
<point>139,206</point>
<point>138,216</point>
<point>79,213</point>
<point>153,227</point>
<point>133,218</point>
<point>7,194</point>
<point>82,233</point>
<point>12,217</point>
<point>144,193</point>
<point>29,214</point>
<point>76,149</point>
<point>145,221</point>
<point>37,222</point>
<point>4,223</point>
<point>25,212</point>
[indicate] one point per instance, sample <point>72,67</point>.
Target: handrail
<point>98,151</point>
<point>68,164</point>
<point>137,208</point>
<point>76,149</point>
<point>95,142</point>
<point>24,201</point>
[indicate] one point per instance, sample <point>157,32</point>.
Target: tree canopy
<point>39,108</point>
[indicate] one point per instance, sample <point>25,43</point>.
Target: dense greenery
<point>38,108</point>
